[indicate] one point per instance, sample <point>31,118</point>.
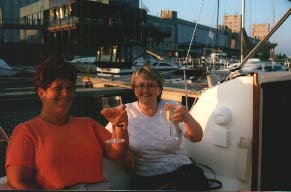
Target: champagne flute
<point>169,112</point>
<point>111,109</point>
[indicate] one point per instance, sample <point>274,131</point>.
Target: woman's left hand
<point>180,114</point>
<point>193,130</point>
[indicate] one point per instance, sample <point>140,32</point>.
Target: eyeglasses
<point>150,86</point>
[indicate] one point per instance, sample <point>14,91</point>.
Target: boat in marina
<point>252,65</point>
<point>246,130</point>
<point>15,76</point>
<point>116,65</point>
<point>156,61</point>
<point>217,60</point>
<point>84,64</point>
<point>160,65</point>
<point>114,72</point>
<point>256,65</point>
<point>147,58</point>
<point>116,59</point>
<point>247,66</point>
<point>6,70</point>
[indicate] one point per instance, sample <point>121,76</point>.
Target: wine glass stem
<point>171,131</point>
<point>113,136</point>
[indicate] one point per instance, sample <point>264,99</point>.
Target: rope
<point>187,56</point>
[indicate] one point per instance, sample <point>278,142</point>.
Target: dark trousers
<point>187,177</point>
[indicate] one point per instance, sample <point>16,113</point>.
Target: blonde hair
<point>151,73</point>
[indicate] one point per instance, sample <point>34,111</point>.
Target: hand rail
<point>4,135</point>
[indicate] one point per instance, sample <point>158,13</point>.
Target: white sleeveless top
<point>149,140</point>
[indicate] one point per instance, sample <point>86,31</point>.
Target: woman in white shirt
<point>156,160</point>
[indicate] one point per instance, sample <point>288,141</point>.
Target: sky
<point>256,12</point>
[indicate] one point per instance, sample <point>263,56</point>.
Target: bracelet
<point>119,126</point>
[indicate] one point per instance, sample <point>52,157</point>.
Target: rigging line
<point>194,31</point>
<point>187,56</point>
<point>250,21</point>
<point>170,71</point>
<point>217,31</point>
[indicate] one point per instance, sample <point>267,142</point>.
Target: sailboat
<point>246,130</point>
<point>5,69</point>
<point>214,57</point>
<point>251,65</point>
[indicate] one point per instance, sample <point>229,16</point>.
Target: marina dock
<point>12,87</point>
<point>172,90</point>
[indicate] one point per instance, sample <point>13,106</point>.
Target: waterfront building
<point>181,31</point>
<point>166,26</point>
<point>10,14</point>
<point>206,38</point>
<point>233,22</point>
<point>259,31</point>
<point>33,15</point>
<point>79,27</point>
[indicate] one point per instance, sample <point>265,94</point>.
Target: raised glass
<point>169,112</point>
<point>111,109</point>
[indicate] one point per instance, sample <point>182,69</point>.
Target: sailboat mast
<point>217,20</point>
<point>261,43</point>
<point>242,30</point>
<point>272,50</point>
<point>140,20</point>
<point>273,17</point>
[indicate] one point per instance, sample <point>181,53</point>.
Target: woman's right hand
<point>127,162</point>
<point>117,116</point>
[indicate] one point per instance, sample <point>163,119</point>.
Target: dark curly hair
<point>51,68</point>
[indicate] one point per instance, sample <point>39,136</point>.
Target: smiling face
<point>147,84</point>
<point>58,97</point>
<point>146,89</point>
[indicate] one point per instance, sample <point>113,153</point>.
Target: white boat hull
<point>113,72</point>
<point>233,145</point>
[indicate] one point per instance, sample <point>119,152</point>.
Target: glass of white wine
<point>111,109</point>
<point>169,112</point>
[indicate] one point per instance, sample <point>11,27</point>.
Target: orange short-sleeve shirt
<point>60,155</point>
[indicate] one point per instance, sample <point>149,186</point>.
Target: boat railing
<point>189,62</point>
<point>4,136</point>
<point>199,62</point>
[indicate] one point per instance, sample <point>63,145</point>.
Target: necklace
<point>147,110</point>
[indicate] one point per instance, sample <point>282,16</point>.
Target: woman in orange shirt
<point>55,150</point>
